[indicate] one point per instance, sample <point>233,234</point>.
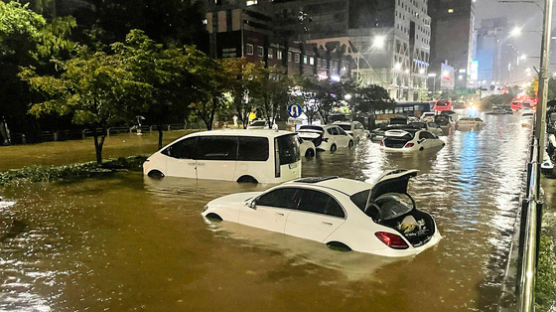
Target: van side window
<point>253,149</point>
<point>319,202</point>
<point>288,149</point>
<point>217,148</point>
<point>184,149</point>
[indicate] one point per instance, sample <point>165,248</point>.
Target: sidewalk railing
<point>76,134</point>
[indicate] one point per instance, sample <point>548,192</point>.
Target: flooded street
<point>131,243</point>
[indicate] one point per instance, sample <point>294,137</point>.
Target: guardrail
<point>531,217</point>
<point>519,281</point>
<point>62,135</point>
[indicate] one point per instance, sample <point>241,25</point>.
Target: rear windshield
<point>288,149</point>
<point>311,128</point>
<point>398,121</point>
<point>386,207</point>
<point>258,123</point>
<point>345,127</point>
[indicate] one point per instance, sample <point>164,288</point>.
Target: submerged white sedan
<point>379,219</point>
<point>409,140</point>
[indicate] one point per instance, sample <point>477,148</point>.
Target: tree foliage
<point>27,40</point>
<point>93,88</point>
<point>370,98</point>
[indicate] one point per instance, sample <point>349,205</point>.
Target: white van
<point>259,156</point>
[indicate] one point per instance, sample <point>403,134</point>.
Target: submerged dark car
<point>377,134</point>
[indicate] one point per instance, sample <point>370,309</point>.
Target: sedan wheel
<point>350,145</point>
<point>333,148</point>
<point>309,153</point>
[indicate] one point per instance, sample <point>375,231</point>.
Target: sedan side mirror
<point>420,141</point>
<point>253,204</point>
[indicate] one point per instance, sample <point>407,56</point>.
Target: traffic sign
<point>294,110</point>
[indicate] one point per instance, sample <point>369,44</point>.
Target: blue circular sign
<point>294,110</point>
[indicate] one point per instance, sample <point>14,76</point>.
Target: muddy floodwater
<point>131,243</point>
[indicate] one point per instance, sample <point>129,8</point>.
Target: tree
<point>210,86</point>
<point>270,91</point>
<point>93,88</point>
<point>27,40</point>
<point>239,75</point>
<point>371,98</point>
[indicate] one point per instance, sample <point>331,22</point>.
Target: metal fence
<point>519,281</point>
<point>76,134</point>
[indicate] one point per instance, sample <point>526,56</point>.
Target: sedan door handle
<point>280,214</point>
<point>327,223</point>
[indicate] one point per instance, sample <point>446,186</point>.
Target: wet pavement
<point>131,243</point>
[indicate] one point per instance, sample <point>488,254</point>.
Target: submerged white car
<point>351,215</point>
<point>306,148</point>
<point>326,137</point>
<point>354,128</point>
<point>469,123</point>
<point>409,140</point>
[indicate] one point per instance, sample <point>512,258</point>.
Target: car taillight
<point>381,143</point>
<point>408,145</point>
<point>391,240</point>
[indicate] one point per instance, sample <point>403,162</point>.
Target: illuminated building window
<point>450,11</point>
<point>249,49</point>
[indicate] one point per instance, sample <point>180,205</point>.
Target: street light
<point>379,41</point>
<point>516,31</point>
<point>347,97</point>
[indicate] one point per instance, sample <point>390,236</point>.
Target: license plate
<point>294,165</point>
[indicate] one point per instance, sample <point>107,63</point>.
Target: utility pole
<point>540,126</point>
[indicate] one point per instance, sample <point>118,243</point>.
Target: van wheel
<point>333,148</point>
<point>309,153</point>
<point>338,246</point>
<point>156,174</point>
<point>350,144</point>
<point>421,148</point>
<point>247,179</point>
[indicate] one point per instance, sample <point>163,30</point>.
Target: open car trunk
<point>314,136</point>
<point>416,226</point>
<point>384,206</point>
<point>397,138</point>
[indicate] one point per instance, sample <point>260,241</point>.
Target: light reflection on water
<point>134,243</point>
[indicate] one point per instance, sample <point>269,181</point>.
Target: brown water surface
<point>130,243</point>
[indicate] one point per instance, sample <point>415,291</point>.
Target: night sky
<point>527,15</point>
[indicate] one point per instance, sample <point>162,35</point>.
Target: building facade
<point>388,40</point>
<point>383,42</point>
<point>258,32</point>
<point>453,39</point>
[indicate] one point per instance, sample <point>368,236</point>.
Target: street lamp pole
<point>540,127</point>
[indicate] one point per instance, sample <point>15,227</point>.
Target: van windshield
<point>288,149</point>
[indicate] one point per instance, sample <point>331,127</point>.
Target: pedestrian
<point>235,121</point>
